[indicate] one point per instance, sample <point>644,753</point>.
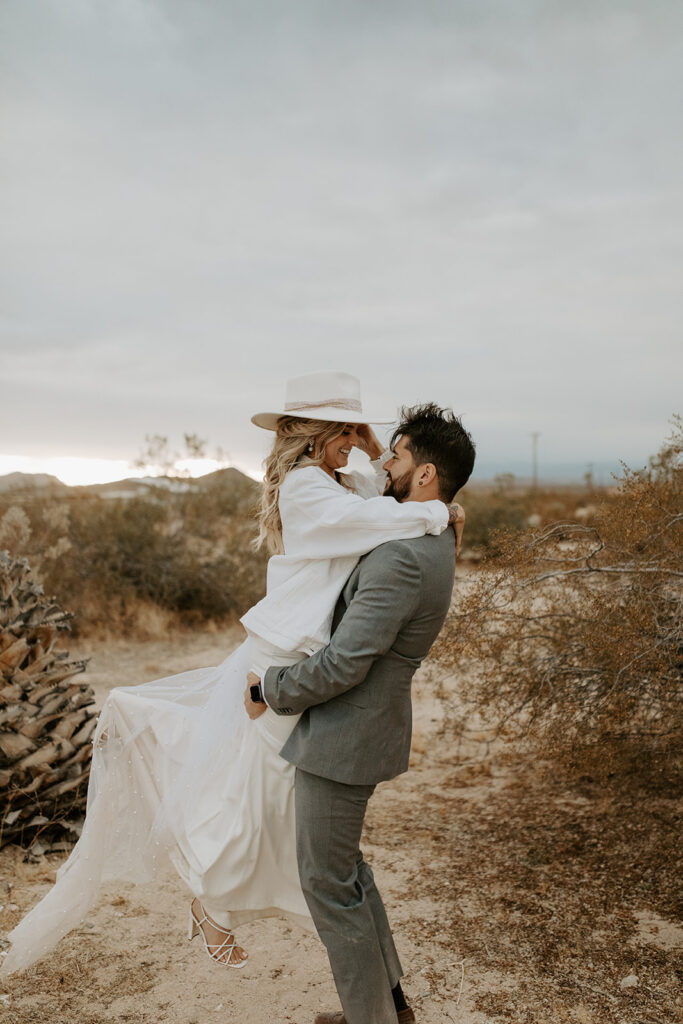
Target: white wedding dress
<point>180,772</point>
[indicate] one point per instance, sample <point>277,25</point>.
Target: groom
<point>356,728</point>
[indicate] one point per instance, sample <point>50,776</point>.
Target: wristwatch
<point>256,693</point>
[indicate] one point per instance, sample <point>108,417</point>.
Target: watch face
<point>255,691</point>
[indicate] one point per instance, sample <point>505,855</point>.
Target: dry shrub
<point>135,566</point>
<point>15,529</point>
<point>573,632</point>
<point>490,512</point>
<point>506,507</point>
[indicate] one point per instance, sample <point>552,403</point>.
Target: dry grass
<point>544,888</point>
<point>52,990</point>
<point>536,882</point>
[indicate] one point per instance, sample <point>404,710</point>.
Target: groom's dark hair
<point>436,435</point>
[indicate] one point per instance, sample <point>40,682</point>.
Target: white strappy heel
<point>221,952</point>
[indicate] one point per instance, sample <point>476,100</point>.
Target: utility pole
<point>535,434</point>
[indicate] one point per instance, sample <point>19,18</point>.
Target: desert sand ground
<point>514,897</point>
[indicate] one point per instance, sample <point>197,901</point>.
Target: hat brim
<point>269,420</point>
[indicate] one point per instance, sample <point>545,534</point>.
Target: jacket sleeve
<point>322,520</point>
<point>387,597</point>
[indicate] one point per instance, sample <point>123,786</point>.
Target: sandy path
<point>496,883</point>
<point>131,960</point>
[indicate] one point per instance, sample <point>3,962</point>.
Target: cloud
<point>473,203</point>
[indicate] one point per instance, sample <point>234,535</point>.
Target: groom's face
<point>401,472</point>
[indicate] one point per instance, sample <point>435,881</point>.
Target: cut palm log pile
<point>46,719</point>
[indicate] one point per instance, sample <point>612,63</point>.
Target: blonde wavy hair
<point>297,442</point>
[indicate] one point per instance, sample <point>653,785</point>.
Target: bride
<point>179,771</point>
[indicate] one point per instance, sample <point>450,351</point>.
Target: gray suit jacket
<point>355,693</point>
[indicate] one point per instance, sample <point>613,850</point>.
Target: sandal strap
<point>214,949</point>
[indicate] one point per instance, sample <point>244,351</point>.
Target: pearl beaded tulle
<point>179,772</point>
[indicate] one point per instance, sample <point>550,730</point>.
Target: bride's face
<point>337,452</point>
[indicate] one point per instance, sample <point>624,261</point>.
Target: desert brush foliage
<point>573,632</point>
<point>506,506</point>
<point>151,561</point>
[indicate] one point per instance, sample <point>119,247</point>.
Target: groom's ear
<point>426,474</point>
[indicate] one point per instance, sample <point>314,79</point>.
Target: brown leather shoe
<point>404,1017</point>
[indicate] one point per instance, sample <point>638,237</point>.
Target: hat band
<point>351,404</point>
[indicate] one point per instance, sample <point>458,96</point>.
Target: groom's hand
<point>253,709</point>
<point>456,519</point>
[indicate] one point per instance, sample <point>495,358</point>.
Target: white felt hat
<point>321,396</point>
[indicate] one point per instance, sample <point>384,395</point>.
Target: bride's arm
<point>366,485</point>
<point>322,520</point>
<point>371,486</point>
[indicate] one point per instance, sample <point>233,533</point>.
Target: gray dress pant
<point>342,897</point>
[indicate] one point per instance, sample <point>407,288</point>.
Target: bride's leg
<point>218,864</point>
<point>219,940</point>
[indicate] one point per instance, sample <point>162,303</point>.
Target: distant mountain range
<point>31,482</point>
<point>43,485</point>
<point>28,485</point>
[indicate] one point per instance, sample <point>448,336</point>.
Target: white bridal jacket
<point>326,527</point>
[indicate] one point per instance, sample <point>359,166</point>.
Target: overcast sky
<point>473,202</point>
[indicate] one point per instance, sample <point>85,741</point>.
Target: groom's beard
<point>399,488</point>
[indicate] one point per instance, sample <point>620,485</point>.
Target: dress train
<point>179,772</point>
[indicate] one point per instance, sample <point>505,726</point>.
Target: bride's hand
<point>456,519</point>
<point>367,441</point>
